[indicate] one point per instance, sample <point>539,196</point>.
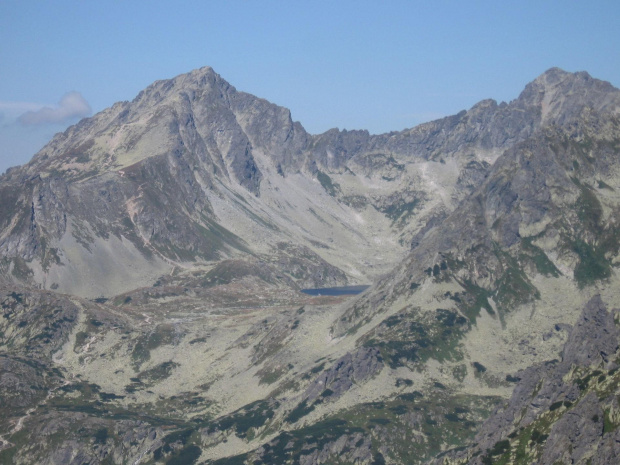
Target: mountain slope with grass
<point>193,171</point>
<point>152,258</point>
<point>563,410</point>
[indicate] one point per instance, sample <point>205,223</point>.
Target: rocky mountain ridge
<point>193,171</point>
<point>176,230</point>
<point>561,410</point>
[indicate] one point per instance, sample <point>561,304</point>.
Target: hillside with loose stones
<point>152,258</point>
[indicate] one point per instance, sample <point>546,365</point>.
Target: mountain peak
<point>202,70</point>
<point>555,79</point>
<point>199,76</point>
<point>556,74</point>
<point>185,222</point>
<point>562,94</point>
<point>201,79</point>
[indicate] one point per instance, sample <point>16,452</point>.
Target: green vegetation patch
<point>591,241</point>
<point>288,447</point>
<point>330,187</point>
<point>513,287</point>
<point>162,335</point>
<point>235,460</point>
<point>538,257</point>
<point>501,448</point>
<point>592,266</point>
<point>410,338</point>
<point>603,185</point>
<point>406,429</point>
<point>21,270</point>
<point>157,373</point>
<point>271,374</point>
<point>589,209</point>
<point>101,436</point>
<point>473,300</point>
<point>177,448</point>
<point>252,416</point>
<point>187,456</point>
<point>227,271</point>
<point>525,444</point>
<point>80,340</point>
<point>608,424</point>
<point>480,368</point>
<point>400,209</point>
<point>300,411</point>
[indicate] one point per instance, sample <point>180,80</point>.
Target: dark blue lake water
<point>344,290</point>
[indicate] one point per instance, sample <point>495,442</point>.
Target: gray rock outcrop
<point>560,411</point>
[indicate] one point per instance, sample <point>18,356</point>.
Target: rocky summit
<point>152,259</point>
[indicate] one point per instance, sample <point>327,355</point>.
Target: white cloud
<point>19,107</point>
<point>72,105</point>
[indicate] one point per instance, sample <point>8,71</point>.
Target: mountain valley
<point>152,258</point>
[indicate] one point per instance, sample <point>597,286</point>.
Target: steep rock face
<point>141,172</point>
<point>547,207</point>
<point>21,386</point>
<point>562,96</point>
<point>561,410</point>
<point>351,368</point>
<point>223,207</point>
<point>594,338</point>
<point>493,285</point>
<point>189,113</point>
<point>166,180</point>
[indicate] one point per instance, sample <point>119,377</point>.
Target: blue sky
<point>376,65</point>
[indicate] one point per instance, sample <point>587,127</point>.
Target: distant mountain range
<point>151,258</point>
